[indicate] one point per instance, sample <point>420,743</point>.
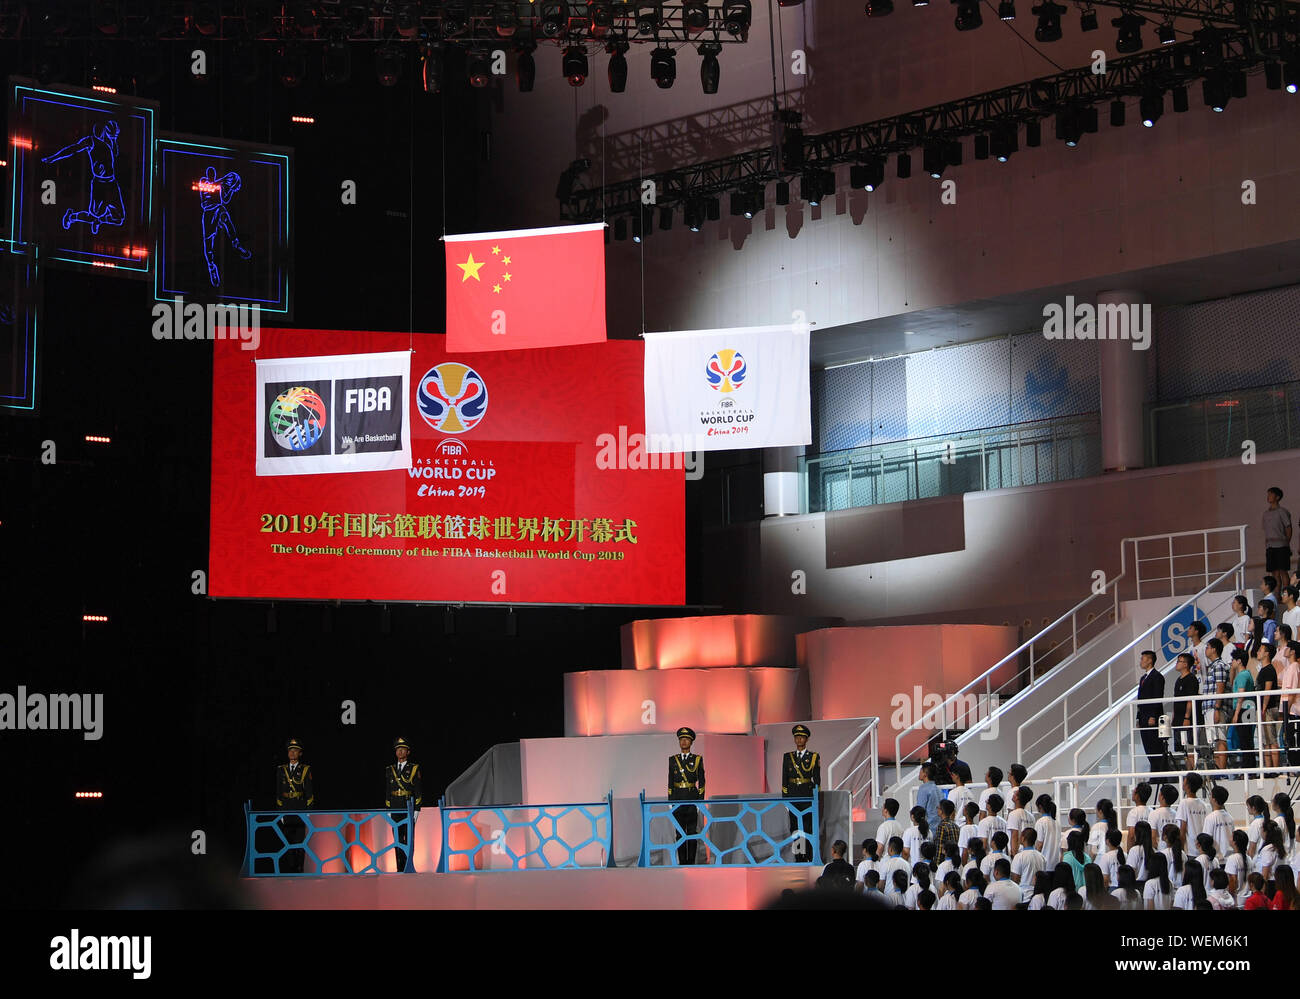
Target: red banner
<point>525,289</point>
<point>529,484</point>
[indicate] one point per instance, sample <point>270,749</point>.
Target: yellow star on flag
<point>506,276</point>
<point>496,250</point>
<point>506,261</point>
<point>470,268</point>
<point>496,288</point>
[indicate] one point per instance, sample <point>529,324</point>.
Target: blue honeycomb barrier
<point>338,822</point>
<point>750,832</point>
<point>530,837</point>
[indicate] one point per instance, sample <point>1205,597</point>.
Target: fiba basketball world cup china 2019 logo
<point>297,418</point>
<point>726,372</point>
<point>452,397</point>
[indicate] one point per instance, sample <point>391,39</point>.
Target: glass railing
<point>1017,454</point>
<point>1208,427</point>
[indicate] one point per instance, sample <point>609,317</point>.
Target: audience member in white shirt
<point>1191,810</point>
<point>869,861</point>
<point>1026,864</point>
<point>1218,894</point>
<point>1062,886</point>
<point>893,862</point>
<point>1218,824</point>
<point>1193,887</point>
<point>1163,814</point>
<point>975,885</point>
<point>1020,817</point>
<point>1110,859</point>
<point>1003,892</point>
<point>959,795</point>
<point>1048,830</point>
<point>992,781</point>
<point>1238,866</point>
<point>915,834</point>
<point>1271,854</point>
<point>997,853</point>
<point>1158,891</point>
<point>1078,823</point>
<point>1126,893</point>
<point>1207,856</point>
<point>1283,815</point>
<point>951,862</point>
<point>1258,811</point>
<point>1139,812</point>
<point>1174,853</point>
<point>1197,636</point>
<point>890,826</point>
<point>993,820</point>
<point>1106,821</point>
<point>949,891</point>
<point>1141,852</point>
<point>896,892</point>
<point>920,883</point>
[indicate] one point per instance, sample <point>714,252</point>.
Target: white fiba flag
<point>720,390</point>
<point>341,413</point>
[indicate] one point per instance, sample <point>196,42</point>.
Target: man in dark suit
<point>404,784</point>
<point>1151,686</point>
<point>686,783</point>
<point>293,792</point>
<point>801,775</point>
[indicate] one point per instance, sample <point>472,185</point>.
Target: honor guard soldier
<point>404,784</point>
<point>686,783</point>
<point>293,792</point>
<point>801,775</point>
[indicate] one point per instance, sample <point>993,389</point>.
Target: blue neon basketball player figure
<point>100,146</point>
<point>214,197</point>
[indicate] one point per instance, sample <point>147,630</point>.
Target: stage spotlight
<point>1130,32</point>
<point>291,64</point>
<point>868,175</point>
<point>602,18</point>
<point>1291,75</point>
<point>636,229</point>
<point>968,15</point>
<point>1273,75</point>
<point>755,200</point>
<point>505,21</point>
<point>648,18</point>
<point>479,66</point>
<point>817,185</point>
<point>336,65</point>
<point>1214,91</point>
<point>879,8</point>
<point>1069,126</point>
<point>617,67</point>
<point>933,160</point>
<point>575,66</point>
<point>1165,32</point>
<point>554,19</point>
<point>1049,21</point>
<point>736,16</point>
<point>1117,114</point>
<point>1033,134</point>
<point>1179,96</point>
<point>712,209</point>
<point>694,214</point>
<point>904,166</point>
<point>1237,83</point>
<point>782,193</point>
<point>665,218</point>
<point>695,15</point>
<point>663,68</point>
<point>407,19</point>
<point>999,144</point>
<point>431,71</point>
<point>1088,20</point>
<point>1152,106</point>
<point>710,69</point>
<point>525,69</point>
<point>1006,11</point>
<point>981,147</point>
<point>388,65</point>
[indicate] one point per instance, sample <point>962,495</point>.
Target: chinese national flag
<point>527,288</point>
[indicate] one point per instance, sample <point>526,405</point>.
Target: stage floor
<point>612,888</point>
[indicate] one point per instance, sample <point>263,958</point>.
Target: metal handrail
<point>1227,695</point>
<point>1235,572</point>
<point>870,730</point>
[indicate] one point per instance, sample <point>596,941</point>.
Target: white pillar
<point>781,481</point>
<point>1122,376</point>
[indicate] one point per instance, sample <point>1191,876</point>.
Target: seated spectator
<point>1193,887</point>
<point>839,868</point>
<point>1075,856</point>
<point>992,781</point>
<point>997,853</point>
<point>1158,891</point>
<point>1127,893</point>
<point>975,885</point>
<point>949,890</point>
<point>1239,866</point>
<point>1027,864</point>
<point>1042,889</point>
<point>1048,830</point>
<point>1218,894</point>
<point>869,860</point>
<point>1141,852</point>
<point>1286,896</point>
<point>1139,812</point>
<point>1111,858</point>
<point>1063,887</point>
<point>1256,899</point>
<point>1020,817</point>
<point>1002,892</point>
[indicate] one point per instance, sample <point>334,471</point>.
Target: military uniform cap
<point>686,733</point>
<point>293,744</point>
<point>801,730</point>
<point>399,743</point>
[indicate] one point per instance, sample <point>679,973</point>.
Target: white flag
<point>718,390</point>
<point>342,413</point>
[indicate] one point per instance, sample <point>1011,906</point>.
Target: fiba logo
<point>452,398</point>
<point>726,370</point>
<point>297,418</point>
<point>452,448</point>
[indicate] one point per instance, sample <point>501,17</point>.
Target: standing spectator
<point>1042,889</point>
<point>1184,687</point>
<point>997,853</point>
<point>1026,864</point>
<point>1196,639</point>
<point>1242,623</point>
<point>977,852</point>
<point>896,889</point>
<point>1163,815</point>
<point>1158,891</point>
<point>1193,887</point>
<point>1289,704</point>
<point>925,900</point>
<point>1269,585</point>
<point>1277,537</point>
<point>920,883</point>
<point>949,891</point>
<point>1272,853</point>
<point>1127,893</point>
<point>1078,823</point>
<point>1256,899</point>
<point>975,885</point>
<point>1151,686</point>
<point>1016,774</point>
<point>1173,851</point>
<point>1239,867</point>
<point>1142,852</point>
<point>1106,821</point>
<point>992,781</point>
<point>951,861</point>
<point>1291,608</point>
<point>889,826</point>
<point>993,821</point>
<point>893,862</point>
<point>1266,679</point>
<point>916,835</point>
<point>928,796</point>
<point>839,870</point>
<point>1242,736</point>
<point>1214,680</point>
<point>1112,858</point>
<point>947,832</point>
<point>1048,831</point>
<point>1095,888</point>
<point>1265,626</point>
<point>869,861</point>
<point>970,830</point>
<point>1284,816</point>
<point>1191,810</point>
<point>960,792</point>
<point>1139,812</point>
<point>1286,896</point>
<point>1257,812</point>
<point>1208,857</point>
<point>1003,892</point>
<point>1219,824</point>
<point>1020,820</point>
<point>1075,856</point>
<point>1063,886</point>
